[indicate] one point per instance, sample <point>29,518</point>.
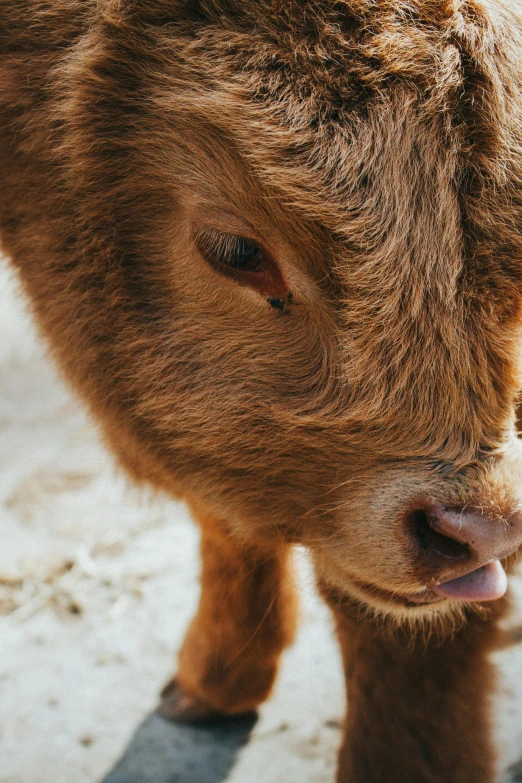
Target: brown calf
<point>276,248</point>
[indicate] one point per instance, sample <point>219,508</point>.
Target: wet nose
<point>456,541</point>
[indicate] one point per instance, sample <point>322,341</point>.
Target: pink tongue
<point>485,584</point>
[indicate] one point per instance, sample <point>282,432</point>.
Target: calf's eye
<point>243,260</point>
<point>239,253</point>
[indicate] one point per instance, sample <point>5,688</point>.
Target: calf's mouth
<point>485,583</point>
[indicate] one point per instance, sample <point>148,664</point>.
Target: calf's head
<point>302,299</point>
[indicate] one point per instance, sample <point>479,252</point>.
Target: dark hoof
<point>177,705</point>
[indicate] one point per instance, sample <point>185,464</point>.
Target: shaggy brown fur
<point>373,150</point>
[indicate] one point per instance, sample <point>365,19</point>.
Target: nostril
<point>420,524</point>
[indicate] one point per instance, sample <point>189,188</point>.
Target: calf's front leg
<point>418,711</point>
<point>246,616</point>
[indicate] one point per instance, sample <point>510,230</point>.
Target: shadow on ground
<point>515,773</point>
<point>161,751</point>
<point>164,752</point>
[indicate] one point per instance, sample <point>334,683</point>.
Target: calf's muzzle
<point>461,549</point>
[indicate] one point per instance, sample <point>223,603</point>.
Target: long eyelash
<point>216,245</point>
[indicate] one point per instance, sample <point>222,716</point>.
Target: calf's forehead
<point>420,208</point>
<point>368,119</point>
<point>395,135</point>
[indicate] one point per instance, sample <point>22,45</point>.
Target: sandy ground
<point>97,584</point>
